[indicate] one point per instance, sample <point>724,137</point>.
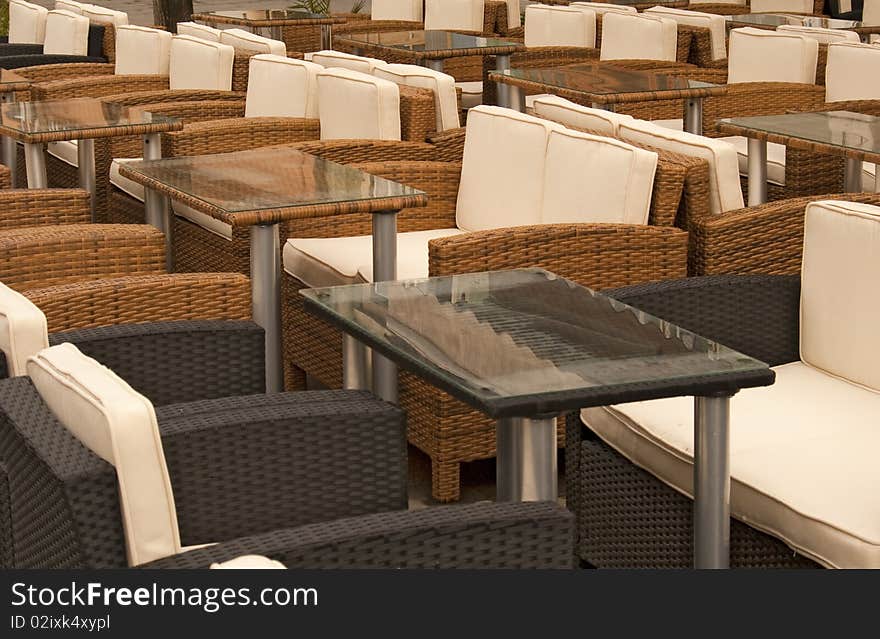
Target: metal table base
<point>10,148</point>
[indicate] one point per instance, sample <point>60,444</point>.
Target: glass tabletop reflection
<point>780,19</point>
<point>430,41</point>
<point>76,115</point>
<point>259,15</point>
<point>844,129</point>
<point>527,342</point>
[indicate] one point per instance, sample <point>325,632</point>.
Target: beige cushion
<point>200,64</point>
<point>100,15</point>
<point>600,121</point>
<point>454,15</point>
<point>441,84</point>
<point>848,66</point>
<point>640,36</point>
<point>349,260</point>
<point>66,151</point>
<point>250,562</point>
<point>759,55</point>
<point>132,188</point>
<point>27,23</point>
<point>784,6</point>
<point>71,5</point>
<point>871,14</point>
<point>601,8</point>
<point>775,158</point>
<point>66,34</point>
<point>396,10</point>
<point>839,313</point>
<point>197,30</point>
<point>560,26</point>
<point>142,51</point>
<point>869,177</point>
<point>210,224</point>
<point>341,60</point>
<point>504,155</point>
<point>471,93</point>
<point>716,24</point>
<point>514,19</point>
<point>279,86</point>
<point>241,39</point>
<point>23,330</point>
<point>802,459</point>
<point>725,193</point>
<point>736,3</point>
<point>820,35</point>
<point>355,105</point>
<point>119,425</point>
<point>588,178</point>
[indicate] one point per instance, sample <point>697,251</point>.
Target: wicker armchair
<point>29,60</point>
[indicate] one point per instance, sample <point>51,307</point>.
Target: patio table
<point>854,136</point>
<point>83,119</point>
<point>275,20</point>
<point>431,48</point>
<point>264,187</point>
<point>604,86</point>
<point>773,20</point>
<point>525,345</point>
<point>10,82</point>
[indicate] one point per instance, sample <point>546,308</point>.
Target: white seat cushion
<point>250,562</point>
<point>725,192</point>
<point>349,260</point>
<point>548,26</point>
<point>871,14</point>
<point>142,51</point>
<point>785,6</point>
<point>504,153</point>
<point>27,22</point>
<point>454,15</point>
<point>200,31</point>
<point>101,15</point>
<point>716,25</point>
<point>355,105</point>
<point>134,189</point>
<point>471,94</point>
<point>601,8</point>
<point>441,84</point>
<point>241,39</point>
<point>848,65</point>
<point>802,459</point>
<point>279,86</point>
<point>340,60</point>
<point>213,225</point>
<point>600,121</point>
<point>71,5</point>
<point>588,178</point>
<point>676,124</point>
<point>775,158</point>
<point>639,36</point>
<point>65,151</point>
<point>396,10</point>
<point>820,35</point>
<point>869,175</point>
<point>838,319</point>
<point>759,55</point>
<point>66,34</point>
<point>119,425</point>
<point>23,330</point>
<point>200,64</point>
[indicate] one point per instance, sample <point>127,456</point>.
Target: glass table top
<point>428,41</point>
<point>526,342</point>
<point>266,14</point>
<point>844,129</point>
<point>779,19</point>
<point>265,179</point>
<point>11,77</point>
<point>77,115</point>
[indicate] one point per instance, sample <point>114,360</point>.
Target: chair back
<point>341,60</point>
<point>716,24</point>
<point>454,15</point>
<point>27,22</point>
<point>279,86</point>
<point>601,8</point>
<point>549,25</point>
<point>100,15</point>
<point>197,30</point>
<point>354,105</point>
<point>640,37</point>
<point>570,114</point>
<point>200,64</point>
<point>782,6</point>
<point>71,5</point>
<point>66,34</point>
<point>241,39</point>
<point>871,13</point>
<point>441,84</point>
<point>23,332</point>
<point>142,51</point>
<point>760,55</point>
<point>851,72</point>
<point>409,10</point>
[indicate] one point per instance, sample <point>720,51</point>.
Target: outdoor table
<point>262,188</point>
<point>639,5</point>
<point>10,82</point>
<point>604,86</point>
<point>854,136</point>
<point>84,119</point>
<point>773,20</point>
<point>275,20</point>
<point>524,346</point>
<point>431,48</point>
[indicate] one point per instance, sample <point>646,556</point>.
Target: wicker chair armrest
<point>252,464</point>
<point>37,257</point>
<point>482,535</point>
<point>376,26</point>
<point>27,61</point>
<point>183,361</point>
<point>450,144</point>
<point>535,57</point>
<point>38,207</point>
<point>760,98</point>
<point>417,113</point>
<point>238,134</point>
<point>595,255</point>
<point>94,86</point>
<point>61,72</point>
<point>352,151</point>
<point>140,98</point>
<point>149,298</point>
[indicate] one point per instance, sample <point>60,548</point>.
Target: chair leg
<point>445,480</point>
<point>294,377</point>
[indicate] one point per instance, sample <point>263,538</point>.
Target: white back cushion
<point>197,30</point>
<point>601,8</point>
<point>71,5</point>
<point>454,15</point>
<point>27,23</point>
<point>715,23</point>
<point>249,562</point>
<point>442,85</point>
<point>560,26</point>
<point>100,15</point>
<point>871,13</point>
<point>142,51</point>
<point>279,86</point>
<point>823,36</point>
<point>848,70</point>
<point>839,310</point>
<point>200,64</point>
<point>599,121</point>
<point>119,425</point>
<point>23,330</point>
<point>355,105</point>
<point>737,3</point>
<point>396,10</point>
<point>241,39</point>
<point>588,178</point>
<point>341,60</point>
<point>725,192</point>
<point>514,19</point>
<point>759,55</point>
<point>504,159</point>
<point>66,34</point>
<point>640,37</point>
<point>785,6</point>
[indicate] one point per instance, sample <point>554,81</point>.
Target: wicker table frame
<point>9,154</point>
<point>276,25</point>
